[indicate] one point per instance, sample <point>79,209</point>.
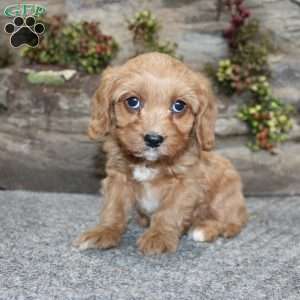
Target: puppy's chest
<point>149,197</point>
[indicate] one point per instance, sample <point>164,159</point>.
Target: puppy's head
<point>153,105</point>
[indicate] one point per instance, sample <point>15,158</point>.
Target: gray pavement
<point>37,260</point>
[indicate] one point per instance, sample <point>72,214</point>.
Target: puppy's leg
<point>227,212</point>
<point>118,199</point>
<point>168,223</point>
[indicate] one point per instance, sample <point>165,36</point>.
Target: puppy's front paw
<point>99,237</point>
<point>156,242</point>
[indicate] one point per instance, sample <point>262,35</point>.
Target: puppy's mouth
<point>150,154</point>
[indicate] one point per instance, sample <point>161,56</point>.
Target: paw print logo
<point>24,32</point>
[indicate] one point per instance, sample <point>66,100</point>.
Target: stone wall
<point>193,26</point>
<point>190,23</point>
<point>44,146</point>
<point>43,142</point>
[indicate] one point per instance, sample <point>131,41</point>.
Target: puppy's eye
<point>178,106</point>
<point>133,103</point>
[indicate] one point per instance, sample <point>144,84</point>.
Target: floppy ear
<point>100,106</point>
<point>206,118</point>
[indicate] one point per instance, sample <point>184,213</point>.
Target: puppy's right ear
<point>101,105</point>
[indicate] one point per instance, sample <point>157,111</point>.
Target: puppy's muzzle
<point>153,140</point>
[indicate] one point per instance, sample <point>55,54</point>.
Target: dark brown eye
<point>133,103</point>
<point>178,106</point>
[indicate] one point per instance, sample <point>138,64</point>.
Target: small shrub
<point>247,70</point>
<point>252,48</point>
<point>233,78</point>
<point>249,49</point>
<point>144,27</point>
<point>145,30</point>
<point>268,118</point>
<point>81,45</point>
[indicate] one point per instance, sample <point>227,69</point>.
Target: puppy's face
<point>155,104</point>
<point>154,115</point>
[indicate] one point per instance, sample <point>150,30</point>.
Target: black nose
<point>153,140</point>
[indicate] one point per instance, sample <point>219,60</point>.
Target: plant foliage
<point>247,70</point>
<point>145,30</point>
<point>80,44</point>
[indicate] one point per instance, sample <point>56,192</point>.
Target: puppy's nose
<point>153,140</point>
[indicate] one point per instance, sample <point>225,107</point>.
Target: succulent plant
<point>79,44</point>
<point>247,70</point>
<point>145,29</point>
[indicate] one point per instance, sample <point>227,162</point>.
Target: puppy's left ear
<point>206,118</point>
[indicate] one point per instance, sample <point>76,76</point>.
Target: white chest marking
<point>149,202</point>
<point>142,173</point>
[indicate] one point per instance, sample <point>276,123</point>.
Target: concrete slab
<point>38,262</point>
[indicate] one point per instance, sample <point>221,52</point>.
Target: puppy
<point>156,119</point>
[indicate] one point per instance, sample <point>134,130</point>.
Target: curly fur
<point>178,187</point>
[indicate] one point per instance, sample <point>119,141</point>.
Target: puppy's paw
<point>199,235</point>
<point>100,237</point>
<point>156,242</point>
<point>203,234</point>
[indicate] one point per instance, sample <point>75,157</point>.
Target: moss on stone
<point>45,77</point>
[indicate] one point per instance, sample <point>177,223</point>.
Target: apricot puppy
<point>156,119</point>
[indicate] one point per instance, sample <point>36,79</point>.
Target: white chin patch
<point>151,155</point>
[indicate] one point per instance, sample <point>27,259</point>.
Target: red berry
<point>246,13</point>
<point>237,20</point>
<point>99,48</point>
